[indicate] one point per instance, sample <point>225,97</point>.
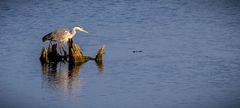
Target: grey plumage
<point>62,35</point>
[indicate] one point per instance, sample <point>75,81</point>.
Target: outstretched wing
<point>47,37</point>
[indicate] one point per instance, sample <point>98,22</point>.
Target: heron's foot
<point>64,61</point>
<point>65,53</point>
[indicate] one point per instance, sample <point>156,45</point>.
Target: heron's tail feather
<point>47,37</point>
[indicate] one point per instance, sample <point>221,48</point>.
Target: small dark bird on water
<point>137,51</point>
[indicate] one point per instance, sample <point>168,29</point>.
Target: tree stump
<point>50,54</point>
<point>74,56</point>
<point>99,56</point>
<point>75,53</point>
<point>44,56</point>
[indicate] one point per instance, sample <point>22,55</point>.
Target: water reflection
<point>65,77</point>
<point>100,66</point>
<point>62,77</point>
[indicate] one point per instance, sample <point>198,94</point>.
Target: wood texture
<point>74,56</point>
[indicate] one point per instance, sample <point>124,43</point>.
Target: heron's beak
<point>84,31</point>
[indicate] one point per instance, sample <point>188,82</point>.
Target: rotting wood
<point>50,54</point>
<point>75,56</point>
<point>44,55</point>
<point>99,56</point>
<point>75,53</point>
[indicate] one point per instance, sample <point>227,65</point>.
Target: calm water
<point>190,54</point>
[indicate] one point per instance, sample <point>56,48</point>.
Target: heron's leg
<point>60,51</point>
<point>64,50</point>
<point>59,48</point>
<point>50,44</point>
<point>65,54</point>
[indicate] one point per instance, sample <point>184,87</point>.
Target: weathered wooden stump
<point>75,55</point>
<point>99,56</point>
<point>50,54</point>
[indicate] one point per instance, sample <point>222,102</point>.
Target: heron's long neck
<point>73,33</point>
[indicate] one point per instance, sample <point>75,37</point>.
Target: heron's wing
<point>60,34</point>
<point>47,37</point>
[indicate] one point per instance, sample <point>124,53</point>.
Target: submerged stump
<point>74,56</point>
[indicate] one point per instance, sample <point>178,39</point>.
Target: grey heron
<point>62,35</point>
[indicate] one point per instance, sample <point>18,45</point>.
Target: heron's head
<point>81,29</point>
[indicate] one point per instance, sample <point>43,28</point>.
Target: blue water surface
<point>188,54</point>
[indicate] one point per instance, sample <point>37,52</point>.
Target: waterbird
<point>62,35</point>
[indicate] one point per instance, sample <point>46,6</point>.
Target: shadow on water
<point>65,77</point>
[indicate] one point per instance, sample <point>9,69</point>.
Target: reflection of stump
<point>100,66</point>
<point>75,55</point>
